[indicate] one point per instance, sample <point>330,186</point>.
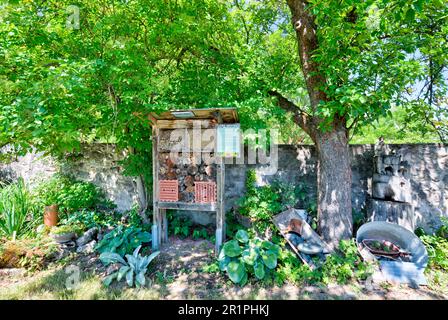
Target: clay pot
<point>51,215</point>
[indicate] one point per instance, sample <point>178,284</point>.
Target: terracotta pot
<point>51,215</point>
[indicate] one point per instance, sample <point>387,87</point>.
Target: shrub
<point>179,226</point>
<point>70,195</point>
<point>290,194</point>
<point>91,218</point>
<point>345,265</point>
<point>17,212</point>
<point>341,266</point>
<point>244,257</point>
<point>443,230</point>
<point>133,269</point>
<point>133,217</point>
<point>437,248</point>
<point>123,240</point>
<point>259,203</point>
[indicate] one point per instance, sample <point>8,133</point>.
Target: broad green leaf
<point>223,263</point>
<point>130,277</point>
<point>259,269</point>
<point>242,236</point>
<point>244,280</point>
<point>111,257</point>
<point>249,256</point>
<point>108,280</point>
<point>236,271</point>
<point>232,248</point>
<point>122,272</point>
<point>269,259</point>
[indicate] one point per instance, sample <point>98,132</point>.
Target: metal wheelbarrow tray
<point>282,220</point>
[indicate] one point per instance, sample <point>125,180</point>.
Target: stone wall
<point>98,163</point>
<point>101,166</point>
<point>297,164</point>
<point>33,167</point>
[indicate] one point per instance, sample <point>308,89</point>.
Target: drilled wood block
<point>205,192</point>
<point>168,190</point>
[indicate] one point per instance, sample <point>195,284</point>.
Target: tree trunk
<point>142,199</point>
<point>334,177</point>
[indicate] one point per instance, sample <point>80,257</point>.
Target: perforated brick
<point>168,190</point>
<point>205,192</point>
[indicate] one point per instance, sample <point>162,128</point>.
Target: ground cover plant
<point>133,267</point>
<point>123,240</point>
<point>243,257</point>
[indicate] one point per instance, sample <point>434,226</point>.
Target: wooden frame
<point>209,119</point>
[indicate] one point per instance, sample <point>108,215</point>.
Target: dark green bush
<point>92,218</point>
<point>70,195</point>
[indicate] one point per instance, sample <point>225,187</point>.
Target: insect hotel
<point>189,148</point>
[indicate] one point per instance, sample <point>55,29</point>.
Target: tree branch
<point>302,119</point>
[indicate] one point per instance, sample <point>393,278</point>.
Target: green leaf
<point>244,280</point>
<point>130,278</point>
<point>269,259</point>
<point>232,248</point>
<point>249,256</point>
<point>111,257</point>
<point>122,272</point>
<point>410,15</point>
<point>236,271</point>
<point>140,279</point>
<point>223,261</point>
<point>259,269</point>
<point>242,236</point>
<point>108,280</point>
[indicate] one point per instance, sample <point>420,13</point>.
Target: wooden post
<point>220,208</point>
<point>156,228</point>
<point>164,230</point>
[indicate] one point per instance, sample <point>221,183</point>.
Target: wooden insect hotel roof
<point>184,118</point>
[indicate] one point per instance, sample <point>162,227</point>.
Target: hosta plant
<point>242,257</point>
<point>133,267</point>
<point>123,240</point>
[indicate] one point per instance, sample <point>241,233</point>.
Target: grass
<point>178,274</point>
<point>52,285</point>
